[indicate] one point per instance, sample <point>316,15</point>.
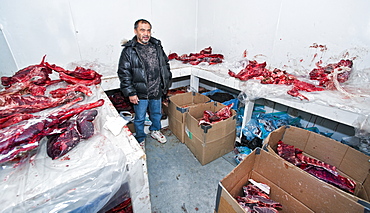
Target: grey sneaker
<point>142,145</point>
<point>158,136</point>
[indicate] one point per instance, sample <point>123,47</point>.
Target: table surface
<point>327,104</point>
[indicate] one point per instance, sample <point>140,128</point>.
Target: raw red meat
<point>61,92</point>
<point>18,139</point>
<point>79,72</point>
<point>261,209</point>
<point>82,73</point>
<point>72,132</point>
<point>325,75</point>
<point>315,167</point>
<point>210,117</point>
<point>253,70</point>
<point>258,71</point>
<point>204,55</point>
<point>60,144</point>
<point>13,119</point>
<point>30,104</point>
<point>120,102</point>
<point>73,80</point>
<point>84,123</point>
<point>319,164</point>
<point>124,207</point>
<point>255,200</point>
<point>172,56</point>
<point>336,180</point>
<point>38,74</point>
<point>21,132</point>
<point>32,77</point>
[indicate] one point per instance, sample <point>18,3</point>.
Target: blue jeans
<point>155,114</point>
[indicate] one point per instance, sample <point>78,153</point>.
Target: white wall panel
<point>80,30</point>
<point>231,27</point>
<point>343,27</point>
<point>174,23</point>
<point>37,28</point>
<point>284,30</point>
<point>100,27</point>
<point>7,62</point>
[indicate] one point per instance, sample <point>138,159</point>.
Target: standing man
<point>145,76</point>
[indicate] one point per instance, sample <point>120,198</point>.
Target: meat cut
<point>120,102</point>
<point>72,131</point>
<point>255,200</point>
<point>258,71</point>
<point>327,75</point>
<point>18,140</point>
<point>21,130</point>
<point>13,119</point>
<point>74,80</point>
<point>204,55</point>
<point>61,92</point>
<point>319,169</point>
<point>38,74</point>
<point>31,104</point>
<point>210,117</point>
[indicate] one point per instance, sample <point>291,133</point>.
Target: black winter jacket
<point>131,70</point>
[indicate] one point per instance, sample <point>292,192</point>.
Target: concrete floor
<point>177,181</point>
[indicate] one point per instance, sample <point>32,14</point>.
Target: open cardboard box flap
<point>295,189</point>
<point>348,161</point>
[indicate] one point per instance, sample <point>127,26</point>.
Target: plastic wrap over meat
<point>204,55</point>
<point>73,131</point>
<point>258,71</point>
<point>25,136</point>
<point>82,180</point>
<point>89,162</point>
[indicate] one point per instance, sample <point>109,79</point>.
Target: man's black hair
<point>141,21</point>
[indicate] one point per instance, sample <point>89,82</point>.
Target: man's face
<point>143,32</point>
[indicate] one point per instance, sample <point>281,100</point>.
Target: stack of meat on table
<point>30,112</point>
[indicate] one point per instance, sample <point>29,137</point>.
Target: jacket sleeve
<point>168,67</point>
<point>125,75</point>
<point>167,75</point>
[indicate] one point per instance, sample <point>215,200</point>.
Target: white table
<point>326,104</point>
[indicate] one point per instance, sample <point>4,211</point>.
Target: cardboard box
<point>295,189</point>
<point>179,104</point>
<point>349,162</point>
<point>208,143</point>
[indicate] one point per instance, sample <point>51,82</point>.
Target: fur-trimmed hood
<point>133,41</point>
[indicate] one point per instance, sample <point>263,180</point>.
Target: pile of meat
<point>325,75</point>
<point>210,117</point>
<point>332,73</point>
<point>321,170</point>
<point>255,200</point>
<point>204,55</point>
<point>22,125</point>
<point>120,102</point>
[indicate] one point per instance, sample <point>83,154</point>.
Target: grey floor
<point>177,181</point>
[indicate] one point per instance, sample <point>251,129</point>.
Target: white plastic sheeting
<point>85,178</point>
<point>334,105</point>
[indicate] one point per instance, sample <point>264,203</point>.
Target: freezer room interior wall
<point>67,31</point>
<point>283,32</point>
